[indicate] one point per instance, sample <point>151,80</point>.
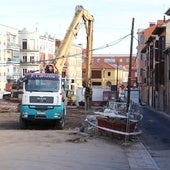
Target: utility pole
<point>130,65</point>
<point>117,78</point>
<point>129,81</point>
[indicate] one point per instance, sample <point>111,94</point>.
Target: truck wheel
<point>60,124</point>
<point>23,124</point>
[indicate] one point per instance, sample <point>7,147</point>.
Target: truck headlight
<point>25,115</point>
<point>57,115</point>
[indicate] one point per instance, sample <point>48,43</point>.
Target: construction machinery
<point>14,91</point>
<point>43,97</point>
<point>63,50</point>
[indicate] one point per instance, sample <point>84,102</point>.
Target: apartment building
<point>155,77</point>
<point>167,65</point>
<point>9,56</point>
<point>111,69</point>
<point>36,50</point>
<point>142,64</point>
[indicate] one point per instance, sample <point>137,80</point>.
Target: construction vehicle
<point>14,91</point>
<point>64,48</point>
<point>71,98</point>
<point>42,100</point>
<point>46,102</point>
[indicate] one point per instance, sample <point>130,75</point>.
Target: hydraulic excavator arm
<point>63,50</point>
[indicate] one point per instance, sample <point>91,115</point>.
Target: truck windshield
<point>42,85</point>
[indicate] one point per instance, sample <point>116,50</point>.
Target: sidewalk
<point>156,135</point>
<point>139,158</point>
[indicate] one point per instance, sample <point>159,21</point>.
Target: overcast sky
<point>113,18</point>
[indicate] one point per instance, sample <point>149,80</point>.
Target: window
<point>109,60</point>
<point>16,54</point>
<point>98,60</point>
<point>63,74</point>
<point>15,69</point>
<point>96,83</point>
<point>141,39</point>
<point>96,74</point>
<point>108,83</point>
<point>109,73</point>
<point>24,71</point>
<point>32,59</point>
<point>24,44</point>
<point>45,85</point>
<point>120,60</point>
<point>143,57</point>
<point>24,59</point>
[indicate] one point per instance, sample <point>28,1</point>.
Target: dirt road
<point>51,150</point>
<point>9,116</point>
<point>41,149</point>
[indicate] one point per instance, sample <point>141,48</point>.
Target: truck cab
<point>42,100</point>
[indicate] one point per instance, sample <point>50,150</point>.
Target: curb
<point>139,158</point>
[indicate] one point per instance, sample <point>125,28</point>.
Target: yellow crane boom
<point>63,50</point>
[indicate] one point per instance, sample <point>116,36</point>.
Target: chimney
<point>151,24</point>
<point>159,22</point>
<point>57,42</point>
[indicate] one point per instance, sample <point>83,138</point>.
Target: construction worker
<point>49,69</point>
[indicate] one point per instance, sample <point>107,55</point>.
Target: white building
<point>35,50</point>
<point>9,56</point>
<point>22,51</point>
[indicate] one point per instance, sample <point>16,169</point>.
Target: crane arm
<point>73,29</point>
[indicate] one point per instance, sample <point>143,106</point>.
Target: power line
<point>113,43</point>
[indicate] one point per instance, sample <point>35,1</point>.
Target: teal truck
<point>42,100</point>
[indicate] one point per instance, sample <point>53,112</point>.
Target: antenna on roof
<point>36,26</point>
<point>164,19</point>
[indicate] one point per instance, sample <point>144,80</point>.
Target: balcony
<point>13,60</point>
<point>26,48</point>
<point>12,46</point>
<point>13,78</point>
